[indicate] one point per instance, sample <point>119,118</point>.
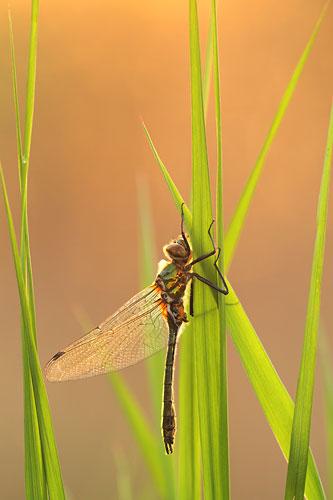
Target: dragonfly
<point>149,322</point>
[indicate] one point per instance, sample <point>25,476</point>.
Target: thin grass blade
<point>49,452</point>
<point>155,364</point>
<point>147,266</point>
<point>237,221</point>
<point>16,103</point>
<point>35,482</point>
<point>207,73</point>
<point>271,393</point>
<point>31,82</point>
<point>188,437</point>
<point>206,324</point>
<point>300,436</point>
<point>223,376</point>
<point>179,201</point>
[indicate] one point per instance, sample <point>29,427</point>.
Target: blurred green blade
<point>49,452</point>
<point>155,364</point>
<point>223,380</point>
<point>237,221</point>
<point>273,396</point>
<point>149,447</point>
<point>300,436</point>
<point>124,482</point>
<point>147,263</point>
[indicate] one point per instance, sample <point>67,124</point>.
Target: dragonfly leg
<point>188,248</point>
<point>219,272</point>
<point>212,285</point>
<point>207,255</point>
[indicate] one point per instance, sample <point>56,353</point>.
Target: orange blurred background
<point>99,69</point>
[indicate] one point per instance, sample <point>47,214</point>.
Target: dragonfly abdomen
<point>169,416</point>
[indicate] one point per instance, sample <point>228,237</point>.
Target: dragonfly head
<point>178,252</point>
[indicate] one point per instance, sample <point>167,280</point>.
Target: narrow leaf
<point>223,384</point>
<point>206,332</point>
<point>300,437</point>
<point>270,391</point>
<point>49,451</point>
<point>237,221</point>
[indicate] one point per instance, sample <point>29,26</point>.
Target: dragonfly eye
<point>176,252</point>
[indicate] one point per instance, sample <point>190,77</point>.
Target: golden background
<point>100,67</point>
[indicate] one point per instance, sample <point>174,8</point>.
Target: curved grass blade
<point>300,436</point>
<point>40,451</point>
<point>49,451</point>
<point>271,393</point>
<point>35,483</point>
<point>237,221</point>
<point>179,201</point>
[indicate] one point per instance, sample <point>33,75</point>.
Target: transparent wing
<point>136,331</point>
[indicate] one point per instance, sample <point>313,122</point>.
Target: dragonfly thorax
<point>178,252</point>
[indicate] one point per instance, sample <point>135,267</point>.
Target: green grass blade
<point>50,457</point>
<point>16,103</point>
<point>35,482</point>
<point>271,393</point>
<point>147,266</point>
<point>149,446</point>
<point>207,73</point>
<point>31,81</point>
<point>188,437</point>
<point>223,384</point>
<point>237,221</point>
<point>171,185</point>
<point>327,377</point>
<point>124,483</point>
<point>300,436</point>
<point>206,324</point>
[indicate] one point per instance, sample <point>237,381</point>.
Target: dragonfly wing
<point>136,331</point>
